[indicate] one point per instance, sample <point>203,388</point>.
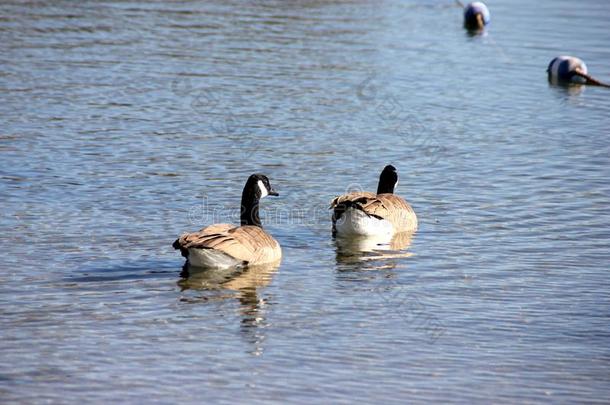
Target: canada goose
<point>224,245</point>
<point>568,69</point>
<point>369,214</point>
<point>476,15</point>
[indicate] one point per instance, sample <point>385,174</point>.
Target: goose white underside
<point>211,258</point>
<point>354,222</point>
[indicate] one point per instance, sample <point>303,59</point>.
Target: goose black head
<point>259,186</point>
<point>388,179</point>
<point>476,16</point>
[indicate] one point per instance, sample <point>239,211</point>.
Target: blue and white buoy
<point>569,69</point>
<point>476,15</point>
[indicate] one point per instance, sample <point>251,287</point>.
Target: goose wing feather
<point>246,243</point>
<point>383,206</point>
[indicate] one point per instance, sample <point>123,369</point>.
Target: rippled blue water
<point>126,123</point>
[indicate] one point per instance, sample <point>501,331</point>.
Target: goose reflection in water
<point>242,284</point>
<point>373,253</point>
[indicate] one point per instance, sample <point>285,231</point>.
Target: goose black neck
<point>249,207</point>
<point>387,181</point>
<point>385,188</point>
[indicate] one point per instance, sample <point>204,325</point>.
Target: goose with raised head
<point>373,214</point>
<point>225,245</point>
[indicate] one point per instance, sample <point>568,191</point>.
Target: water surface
<point>126,123</point>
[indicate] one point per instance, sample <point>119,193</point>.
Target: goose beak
<point>273,193</point>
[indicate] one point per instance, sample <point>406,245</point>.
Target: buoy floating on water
<point>476,15</point>
<point>569,69</point>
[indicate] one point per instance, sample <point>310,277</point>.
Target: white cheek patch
<point>263,189</point>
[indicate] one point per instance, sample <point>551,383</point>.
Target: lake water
<point>126,123</point>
